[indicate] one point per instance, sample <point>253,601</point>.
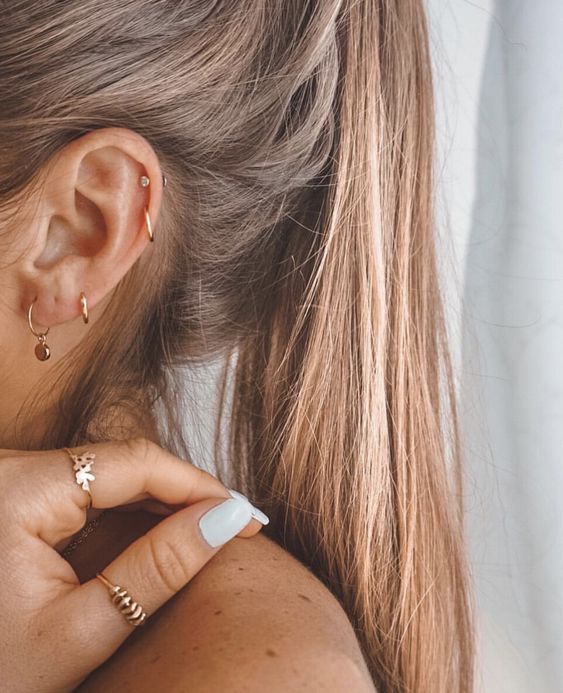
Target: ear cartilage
<point>144,181</point>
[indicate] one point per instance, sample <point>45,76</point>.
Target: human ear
<point>91,225</point>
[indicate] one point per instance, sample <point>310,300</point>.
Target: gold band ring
<point>131,610</point>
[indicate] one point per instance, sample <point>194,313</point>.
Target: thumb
<point>151,570</point>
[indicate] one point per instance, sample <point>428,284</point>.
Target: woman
<point>278,155</point>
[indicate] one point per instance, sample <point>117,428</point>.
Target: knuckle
<point>143,452</point>
<point>140,448</point>
<point>171,566</point>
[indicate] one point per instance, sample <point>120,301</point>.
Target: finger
<point>151,506</point>
<point>156,508</point>
<point>133,470</point>
<point>125,472</point>
<point>259,518</point>
<point>152,569</point>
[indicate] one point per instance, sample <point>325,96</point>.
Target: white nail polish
<point>225,521</point>
<point>256,512</point>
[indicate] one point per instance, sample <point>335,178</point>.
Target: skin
<point>253,616</point>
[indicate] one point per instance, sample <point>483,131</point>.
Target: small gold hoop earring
<point>149,225</point>
<point>84,307</point>
<point>42,351</point>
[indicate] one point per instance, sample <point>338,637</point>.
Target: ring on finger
<point>82,465</point>
<point>131,610</point>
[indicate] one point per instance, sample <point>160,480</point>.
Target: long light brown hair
<point>296,233</point>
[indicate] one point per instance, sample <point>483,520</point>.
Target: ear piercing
<point>42,351</point>
<point>148,225</point>
<point>144,182</point>
<point>84,307</point>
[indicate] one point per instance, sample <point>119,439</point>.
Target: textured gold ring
<point>131,610</point>
<point>82,465</point>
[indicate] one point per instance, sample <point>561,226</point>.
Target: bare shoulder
<point>254,617</point>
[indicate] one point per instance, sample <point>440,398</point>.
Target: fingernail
<point>256,512</point>
<point>225,521</point>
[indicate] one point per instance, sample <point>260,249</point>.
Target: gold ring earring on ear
<point>144,182</point>
<point>42,350</point>
<point>148,224</point>
<point>84,307</point>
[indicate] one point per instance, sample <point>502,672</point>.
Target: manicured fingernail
<point>225,521</point>
<point>256,512</point>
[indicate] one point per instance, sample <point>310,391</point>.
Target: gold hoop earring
<point>149,225</point>
<point>42,351</point>
<point>84,307</point>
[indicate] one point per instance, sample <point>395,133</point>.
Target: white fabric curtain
<point>499,68</point>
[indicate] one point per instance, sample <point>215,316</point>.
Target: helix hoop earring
<point>144,182</point>
<point>42,350</point>
<point>84,307</point>
<point>148,224</point>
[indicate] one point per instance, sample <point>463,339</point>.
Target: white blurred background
<point>499,85</point>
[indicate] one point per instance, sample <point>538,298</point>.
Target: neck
<point>26,422</point>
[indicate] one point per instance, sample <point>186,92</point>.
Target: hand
<point>54,630</point>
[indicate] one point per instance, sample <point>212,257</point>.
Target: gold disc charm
<point>42,351</point>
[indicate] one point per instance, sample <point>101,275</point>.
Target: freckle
<point>303,596</point>
<point>216,613</point>
<point>237,593</point>
<point>195,648</point>
<point>155,659</point>
<point>240,568</point>
<point>271,653</point>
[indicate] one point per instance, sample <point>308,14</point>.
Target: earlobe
<point>99,206</point>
